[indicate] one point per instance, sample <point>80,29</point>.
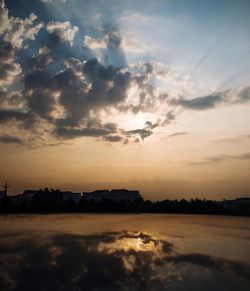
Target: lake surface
<point>124,252</point>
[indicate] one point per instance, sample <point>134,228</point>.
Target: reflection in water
<point>122,260</point>
<point>135,241</point>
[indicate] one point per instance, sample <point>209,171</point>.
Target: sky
<point>147,95</point>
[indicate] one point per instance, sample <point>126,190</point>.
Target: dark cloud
<point>11,98</point>
<point>91,131</point>
<point>143,132</point>
<point>25,120</point>
<point>244,95</point>
<point>7,115</point>
<point>149,68</point>
<point>109,84</point>
<point>40,61</point>
<point>38,80</point>
<point>178,133</point>
<point>222,158</point>
<point>10,139</point>
<point>39,89</point>
<point>244,156</point>
<point>113,138</point>
<point>227,97</point>
<point>151,125</point>
<point>104,86</point>
<point>170,116</point>
<point>114,55</point>
<point>61,31</point>
<point>93,128</point>
<point>41,102</point>
<point>199,103</point>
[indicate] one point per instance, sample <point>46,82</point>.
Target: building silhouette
<point>115,194</point>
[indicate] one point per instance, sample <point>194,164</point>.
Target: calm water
<point>124,252</point>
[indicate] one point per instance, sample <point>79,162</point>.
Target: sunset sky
<point>148,95</point>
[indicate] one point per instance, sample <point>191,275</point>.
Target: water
<point>124,252</point>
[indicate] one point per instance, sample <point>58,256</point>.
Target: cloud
<point>99,43</point>
<point>10,139</point>
<point>107,46</point>
<point>63,30</point>
<point>113,138</point>
<point>244,95</point>
<point>9,69</point>
<point>228,97</point>
<point>101,87</point>
<point>19,121</point>
<point>234,139</point>
<point>66,97</point>
<point>71,99</point>
<point>199,103</point>
<point>11,99</point>
<point>40,61</point>
<point>131,45</point>
<point>143,133</point>
<point>222,158</point>
<point>54,93</point>
<point>170,116</point>
<point>14,30</point>
<point>41,101</point>
<point>94,131</point>
<point>6,115</point>
<point>178,133</point>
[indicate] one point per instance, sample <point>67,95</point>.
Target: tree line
<point>52,201</point>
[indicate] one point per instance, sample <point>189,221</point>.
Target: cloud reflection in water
<point>111,261</point>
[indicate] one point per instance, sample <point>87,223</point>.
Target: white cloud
<point>9,72</point>
<point>33,31</point>
<point>91,43</point>
<point>15,30</point>
<point>64,29</point>
<point>129,44</point>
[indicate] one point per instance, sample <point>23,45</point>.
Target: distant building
<point>17,200</point>
<point>28,195</point>
<point>2,194</point>
<point>115,194</point>
<point>68,195</point>
<point>237,204</point>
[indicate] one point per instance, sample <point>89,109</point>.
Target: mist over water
<point>124,252</point>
